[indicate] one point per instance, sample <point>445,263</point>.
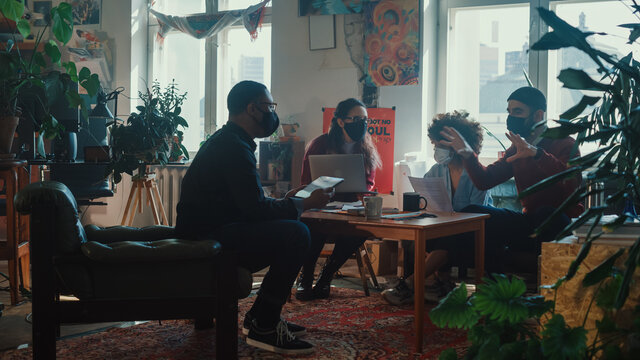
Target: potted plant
<point>148,135</point>
<point>614,124</point>
<point>19,73</point>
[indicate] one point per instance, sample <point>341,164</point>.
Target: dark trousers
<point>505,231</point>
<point>280,244</point>
<point>343,249</point>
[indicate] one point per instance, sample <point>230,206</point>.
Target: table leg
<point>418,288</point>
<point>479,239</point>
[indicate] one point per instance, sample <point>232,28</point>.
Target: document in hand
<point>435,191</point>
<point>323,182</point>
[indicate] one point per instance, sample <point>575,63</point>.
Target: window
<point>487,60</point>
<point>487,52</point>
<point>183,52</point>
<point>241,59</point>
<point>599,16</point>
<point>208,68</point>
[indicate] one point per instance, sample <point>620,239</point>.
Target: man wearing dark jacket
<point>222,198</point>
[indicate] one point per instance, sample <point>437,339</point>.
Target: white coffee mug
<point>372,207</point>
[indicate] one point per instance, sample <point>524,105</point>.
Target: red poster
<point>382,130</point>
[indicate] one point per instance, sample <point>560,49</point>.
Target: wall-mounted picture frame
<point>322,32</point>
<point>86,12</point>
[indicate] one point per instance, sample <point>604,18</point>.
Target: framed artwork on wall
<point>86,12</point>
<point>322,32</point>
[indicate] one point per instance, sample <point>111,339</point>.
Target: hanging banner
<point>382,130</point>
<point>207,25</point>
<point>392,40</point>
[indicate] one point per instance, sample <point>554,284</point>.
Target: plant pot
<point>8,126</point>
<point>290,130</point>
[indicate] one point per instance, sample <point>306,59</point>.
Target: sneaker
<point>401,294</point>
<point>437,291</point>
<point>279,340</point>
<point>296,330</point>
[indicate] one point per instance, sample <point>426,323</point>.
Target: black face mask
<point>270,122</point>
<point>518,125</point>
<point>356,130</point>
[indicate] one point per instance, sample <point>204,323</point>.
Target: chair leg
<point>227,308</point>
<point>367,261</point>
<point>26,272</point>
<point>363,276</point>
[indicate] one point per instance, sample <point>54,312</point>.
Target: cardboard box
<point>383,255</point>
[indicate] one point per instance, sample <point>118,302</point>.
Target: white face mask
<point>442,155</point>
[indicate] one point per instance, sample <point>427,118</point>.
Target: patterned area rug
<point>349,325</point>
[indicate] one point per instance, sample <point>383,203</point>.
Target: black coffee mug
<point>411,201</point>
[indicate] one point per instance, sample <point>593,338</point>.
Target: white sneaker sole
<point>278,350</point>
<point>245,331</point>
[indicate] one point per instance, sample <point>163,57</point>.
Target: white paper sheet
<point>435,191</point>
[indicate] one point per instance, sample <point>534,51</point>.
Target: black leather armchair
<point>123,273</point>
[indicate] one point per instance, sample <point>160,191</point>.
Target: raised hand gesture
<point>455,141</point>
<point>523,148</point>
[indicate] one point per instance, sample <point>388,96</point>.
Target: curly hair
<point>336,137</point>
<point>470,129</point>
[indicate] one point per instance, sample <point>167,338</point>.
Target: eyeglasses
<point>271,105</point>
<point>357,119</point>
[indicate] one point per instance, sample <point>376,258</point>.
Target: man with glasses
<point>222,198</point>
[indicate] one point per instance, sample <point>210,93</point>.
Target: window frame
<point>538,60</point>
<point>211,64</point>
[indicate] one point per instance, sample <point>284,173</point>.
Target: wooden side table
<point>14,176</point>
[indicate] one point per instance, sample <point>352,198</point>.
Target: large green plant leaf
<point>52,50</point>
<point>23,27</point>
<point>635,31</point>
<point>12,9</point>
<point>455,310</point>
<point>606,296</point>
<point>602,271</point>
<point>571,172</point>
<point>580,80</point>
<point>577,109</point>
<point>62,22</point>
<point>631,264</point>
<point>550,41</point>
<point>566,128</point>
<point>560,342</point>
<point>449,354</point>
<point>500,299</point>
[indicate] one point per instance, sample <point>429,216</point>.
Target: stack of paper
<point>435,191</point>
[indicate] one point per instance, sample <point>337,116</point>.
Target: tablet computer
<point>323,182</point>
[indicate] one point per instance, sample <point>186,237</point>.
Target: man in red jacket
<point>530,159</point>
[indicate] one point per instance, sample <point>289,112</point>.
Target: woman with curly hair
<point>462,193</point>
<point>347,135</point>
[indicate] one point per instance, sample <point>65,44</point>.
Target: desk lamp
<point>99,119</point>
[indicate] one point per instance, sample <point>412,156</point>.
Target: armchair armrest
<point>151,251</point>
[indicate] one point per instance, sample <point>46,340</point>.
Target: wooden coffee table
<point>418,230</point>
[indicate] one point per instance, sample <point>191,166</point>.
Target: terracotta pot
<point>8,126</point>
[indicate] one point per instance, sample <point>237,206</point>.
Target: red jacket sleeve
<point>318,146</point>
<point>486,177</point>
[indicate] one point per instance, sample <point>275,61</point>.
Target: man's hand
<point>318,198</point>
<point>454,140</point>
<point>523,148</point>
<point>292,192</point>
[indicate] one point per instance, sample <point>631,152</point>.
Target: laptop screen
<point>350,167</point>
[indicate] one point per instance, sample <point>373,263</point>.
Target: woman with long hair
<point>347,135</point>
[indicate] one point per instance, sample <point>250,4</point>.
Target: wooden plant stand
<point>146,182</point>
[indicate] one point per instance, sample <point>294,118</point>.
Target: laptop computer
<point>350,167</point>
